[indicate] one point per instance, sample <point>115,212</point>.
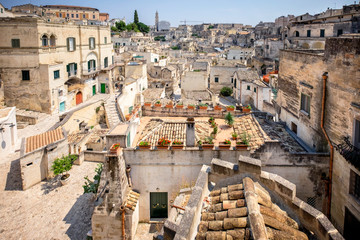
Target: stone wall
<point>94,156</point>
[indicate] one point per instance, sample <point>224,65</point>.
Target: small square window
<point>56,74</point>
<point>248,87</point>
<point>15,43</point>
<point>105,40</point>
<point>25,75</point>
<point>216,79</point>
<point>254,89</point>
<point>322,32</point>
<point>308,33</point>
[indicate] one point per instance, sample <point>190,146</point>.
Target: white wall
<point>8,136</point>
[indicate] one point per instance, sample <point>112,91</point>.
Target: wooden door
<point>79,98</point>
<point>103,86</point>
<point>158,205</point>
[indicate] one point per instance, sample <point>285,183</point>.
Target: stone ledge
<point>285,188</point>
<point>223,167</point>
<point>249,165</point>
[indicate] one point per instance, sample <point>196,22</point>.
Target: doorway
<point>103,88</point>
<point>79,98</point>
<point>294,127</point>
<point>94,90</point>
<point>62,107</point>
<point>159,205</point>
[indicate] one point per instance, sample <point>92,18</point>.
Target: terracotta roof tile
<point>132,200</point>
<point>44,139</point>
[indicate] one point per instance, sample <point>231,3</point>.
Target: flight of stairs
<point>112,116</point>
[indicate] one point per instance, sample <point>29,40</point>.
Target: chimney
<point>190,132</point>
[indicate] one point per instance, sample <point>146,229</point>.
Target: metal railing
<point>349,152</point>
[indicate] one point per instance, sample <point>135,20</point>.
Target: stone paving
<point>147,230</point>
<point>49,210</point>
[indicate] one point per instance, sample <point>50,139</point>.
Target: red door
<point>79,98</point>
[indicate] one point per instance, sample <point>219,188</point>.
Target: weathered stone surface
<point>203,226</point>
<point>215,225</point>
<point>237,212</point>
<point>234,195</point>
<point>221,215</point>
<point>216,235</point>
<point>230,223</point>
<point>207,216</point>
<point>228,204</point>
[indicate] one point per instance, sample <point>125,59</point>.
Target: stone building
<point>61,66</point>
<point>319,100</point>
<point>243,54</point>
<point>72,12</point>
<point>310,31</point>
<point>4,12</point>
<point>8,130</point>
<point>220,76</point>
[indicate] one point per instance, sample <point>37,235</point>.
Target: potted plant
<point>234,135</point>
<point>214,132</point>
<point>177,144</point>
<point>230,108</point>
<point>213,124</point>
<point>211,120</point>
<point>115,149</point>
<point>217,108</point>
<point>158,103</point>
<point>203,106</point>
<point>246,109</point>
<point>128,117</point>
<point>180,105</point>
<point>191,106</point>
<point>63,165</point>
<point>163,143</point>
<point>244,143</point>
<point>144,145</point>
<point>147,104</point>
<point>169,105</point>
<point>225,145</point>
<point>229,119</point>
<point>207,144</point>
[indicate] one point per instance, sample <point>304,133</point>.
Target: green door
<point>94,90</point>
<point>103,86</point>
<point>159,205</point>
<point>128,142</point>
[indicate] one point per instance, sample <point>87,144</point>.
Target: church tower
<point>156,21</point>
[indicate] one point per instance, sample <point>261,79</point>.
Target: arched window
<point>45,41</point>
<point>296,34</point>
<point>52,41</point>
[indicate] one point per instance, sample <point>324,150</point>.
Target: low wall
<point>28,119</point>
<point>184,112</point>
<point>94,156</point>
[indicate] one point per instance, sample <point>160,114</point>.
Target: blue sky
<point>209,11</point>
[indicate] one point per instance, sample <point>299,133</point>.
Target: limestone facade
<point>60,64</point>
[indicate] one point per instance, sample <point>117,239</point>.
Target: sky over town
<point>200,11</point>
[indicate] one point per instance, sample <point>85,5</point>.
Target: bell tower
<point>156,21</point>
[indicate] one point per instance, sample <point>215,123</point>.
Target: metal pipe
<point>174,206</point>
<point>122,208</point>
<point>128,169</point>
<point>324,77</point>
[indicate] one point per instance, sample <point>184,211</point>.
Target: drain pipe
<point>324,77</point>
<point>128,169</point>
<point>122,209</point>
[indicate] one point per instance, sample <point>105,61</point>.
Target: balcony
<point>349,152</point>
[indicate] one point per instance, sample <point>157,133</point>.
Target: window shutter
<point>68,44</point>
<point>74,44</point>
<point>89,65</point>
<point>75,66</point>
<point>90,43</point>
<point>94,64</point>
<point>68,68</point>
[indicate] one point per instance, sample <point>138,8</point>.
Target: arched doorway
<point>79,98</point>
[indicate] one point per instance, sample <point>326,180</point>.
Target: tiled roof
<point>70,7</point>
<point>132,200</point>
<point>245,211</point>
<point>44,139</point>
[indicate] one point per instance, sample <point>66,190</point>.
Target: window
<point>105,40</point>
<point>71,44</point>
<point>71,68</point>
<point>67,15</point>
<point>93,16</point>
<point>216,79</point>
<point>52,41</point>
<point>354,187</point>
<point>248,87</point>
<point>44,40</point>
<point>232,80</point>
<point>112,59</point>
<point>308,33</point>
<point>25,75</point>
<point>91,43</point>
<point>91,65</point>
<point>72,15</point>
<point>235,83</point>
<point>357,134</point>
<point>56,74</point>
<point>106,62</point>
<point>254,89</point>
<point>305,103</point>
<point>15,43</point>
<point>297,34</point>
<point>322,32</point>
<point>2,10</point>
<point>77,15</point>
<point>339,32</point>
<point>84,16</point>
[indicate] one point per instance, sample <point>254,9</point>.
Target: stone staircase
<point>112,116</point>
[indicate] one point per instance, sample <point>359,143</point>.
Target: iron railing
<point>349,152</point>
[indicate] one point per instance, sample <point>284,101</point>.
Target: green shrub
<point>229,119</point>
<point>92,186</point>
<point>63,164</point>
<point>245,138</point>
<point>226,91</point>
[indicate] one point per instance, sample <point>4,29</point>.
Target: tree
<point>136,17</point>
<point>114,29</point>
<point>132,27</point>
<point>226,91</point>
<point>229,119</point>
<point>121,26</point>
<point>143,27</point>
